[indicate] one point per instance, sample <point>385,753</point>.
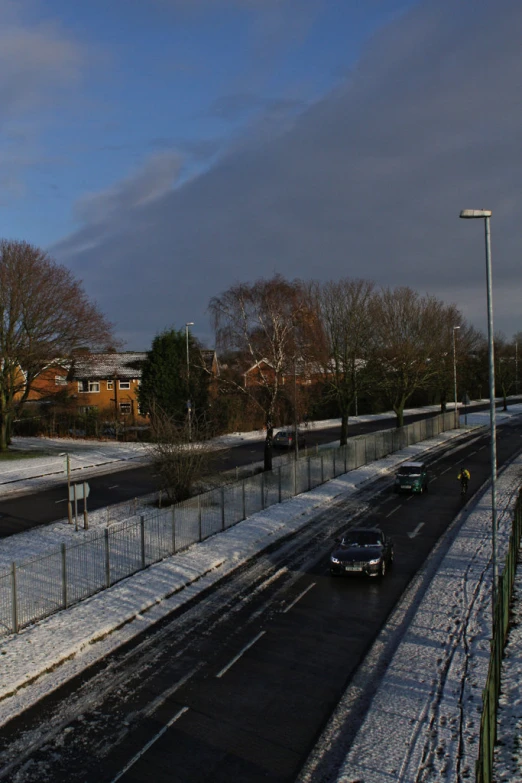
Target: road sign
<point>79,495</point>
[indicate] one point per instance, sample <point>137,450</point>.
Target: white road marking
<point>393,511</point>
<point>240,653</point>
<point>299,597</point>
<point>114,486</point>
<point>64,500</point>
<point>471,453</point>
<point>151,742</point>
<point>153,706</point>
<point>417,530</point>
<point>445,471</point>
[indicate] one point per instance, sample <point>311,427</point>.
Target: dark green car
<point>412,477</point>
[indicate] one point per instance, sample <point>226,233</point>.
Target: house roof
<point>126,365</point>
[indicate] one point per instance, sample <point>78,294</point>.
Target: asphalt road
<point>238,684</point>
<point>27,511</point>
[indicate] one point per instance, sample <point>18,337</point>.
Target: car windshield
<point>364,538</point>
<point>409,470</point>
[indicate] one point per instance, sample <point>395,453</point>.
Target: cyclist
<point>464,477</point>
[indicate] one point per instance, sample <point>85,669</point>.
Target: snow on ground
<point>427,709</point>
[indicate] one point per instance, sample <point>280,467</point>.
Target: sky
<point>164,150</point>
<point>424,714</point>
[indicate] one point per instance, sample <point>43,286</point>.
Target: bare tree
<point>264,321</point>
<point>179,460</point>
<point>44,314</point>
<point>411,335</point>
<point>345,319</point>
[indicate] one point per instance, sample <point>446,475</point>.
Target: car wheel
<point>333,573</point>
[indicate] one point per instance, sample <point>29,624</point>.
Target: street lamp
<point>455,328</point>
<point>485,214</point>
<point>189,404</point>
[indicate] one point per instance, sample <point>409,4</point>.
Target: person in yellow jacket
<point>464,477</point>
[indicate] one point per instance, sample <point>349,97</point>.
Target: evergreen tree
<point>168,383</point>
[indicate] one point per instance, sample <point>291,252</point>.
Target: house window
<point>110,385</point>
<point>125,407</point>
<point>86,409</point>
<point>60,380</point>
<point>124,384</point>
<point>88,386</point>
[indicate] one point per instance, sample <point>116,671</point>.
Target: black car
<point>362,551</point>
<point>285,439</point>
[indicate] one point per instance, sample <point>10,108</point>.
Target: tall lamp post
<point>485,214</point>
<point>189,404</point>
<point>455,328</point>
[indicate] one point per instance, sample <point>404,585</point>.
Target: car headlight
<point>374,562</point>
<point>335,560</point>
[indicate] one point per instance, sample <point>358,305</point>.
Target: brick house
<point>107,383</point>
<point>104,382</point>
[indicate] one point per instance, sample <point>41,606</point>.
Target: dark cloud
<point>367,183</point>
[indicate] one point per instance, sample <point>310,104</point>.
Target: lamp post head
<point>190,323</point>
<point>456,327</point>
<point>475,213</point>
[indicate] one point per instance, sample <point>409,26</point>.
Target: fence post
<point>142,538</point>
<point>222,508</point>
<point>345,447</point>
<point>107,560</point>
<point>322,469</point>
<point>334,465</point>
<point>279,483</point>
<point>244,499</point>
<point>309,474</point>
<point>64,576</point>
<point>14,599</point>
<point>199,518</point>
<point>173,530</point>
<point>262,491</point>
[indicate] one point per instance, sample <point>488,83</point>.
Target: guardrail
<point>43,585</point>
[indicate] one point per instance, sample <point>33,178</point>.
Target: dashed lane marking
<point>151,742</point>
<point>240,653</point>
<point>299,598</point>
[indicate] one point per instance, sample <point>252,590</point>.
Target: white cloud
<point>151,181</point>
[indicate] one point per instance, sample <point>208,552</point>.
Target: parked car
<point>412,477</point>
<point>365,551</point>
<point>284,439</point>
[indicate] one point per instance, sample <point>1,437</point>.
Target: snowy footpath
<point>424,720</point>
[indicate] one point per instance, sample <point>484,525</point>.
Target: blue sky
<point>164,149</point>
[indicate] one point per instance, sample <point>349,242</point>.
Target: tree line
<point>289,350</point>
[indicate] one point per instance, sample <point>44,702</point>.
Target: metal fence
<point>504,592</point>
<point>43,585</point>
